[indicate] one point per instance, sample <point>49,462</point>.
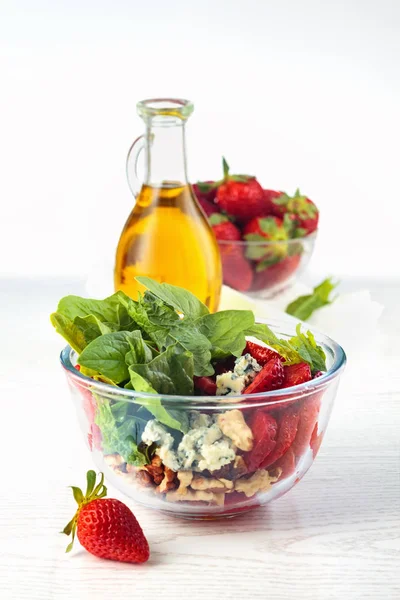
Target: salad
<point>218,449</point>
<point>257,229</point>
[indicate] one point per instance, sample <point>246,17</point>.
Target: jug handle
<point>131,165</point>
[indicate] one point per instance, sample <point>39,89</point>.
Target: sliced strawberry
<point>237,270</point>
<point>260,353</point>
<point>275,274</point>
<point>264,428</point>
<point>205,385</point>
<point>296,374</point>
<point>308,412</point>
<point>287,463</point>
<point>287,430</point>
<point>316,440</point>
<point>269,378</point>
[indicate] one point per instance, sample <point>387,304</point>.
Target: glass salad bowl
<point>199,456</point>
<point>264,268</point>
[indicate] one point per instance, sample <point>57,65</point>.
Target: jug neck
<point>165,154</point>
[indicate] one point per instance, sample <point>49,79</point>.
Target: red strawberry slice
<point>308,412</point>
<point>260,353</point>
<point>286,433</point>
<point>287,463</point>
<point>264,428</point>
<point>205,385</point>
<point>296,374</point>
<point>316,440</point>
<point>270,377</point>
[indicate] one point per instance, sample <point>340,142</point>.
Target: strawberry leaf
<point>217,219</point>
<point>225,168</point>
<point>268,262</point>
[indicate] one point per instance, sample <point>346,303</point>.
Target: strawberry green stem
<point>93,492</point>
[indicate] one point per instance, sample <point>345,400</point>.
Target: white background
<point>300,93</point>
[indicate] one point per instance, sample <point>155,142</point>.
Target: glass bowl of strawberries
<point>265,237</point>
<point>208,421</point>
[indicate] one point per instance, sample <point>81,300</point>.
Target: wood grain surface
<point>336,535</point>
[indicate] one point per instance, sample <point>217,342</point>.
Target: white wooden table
<point>335,535</point>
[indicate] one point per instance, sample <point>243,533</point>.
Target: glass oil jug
<point>167,236</point>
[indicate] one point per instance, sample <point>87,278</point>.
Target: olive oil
<point>167,237</point>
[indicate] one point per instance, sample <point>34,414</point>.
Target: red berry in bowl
<point>303,208</point>
<point>241,196</point>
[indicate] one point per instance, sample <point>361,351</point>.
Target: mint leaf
<point>171,372</point>
<point>106,354</point>
<point>181,300</point>
<point>304,306</point>
<point>225,330</point>
<point>308,349</point>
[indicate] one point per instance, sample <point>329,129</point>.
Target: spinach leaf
<point>189,336</point>
<point>182,300</point>
<point>92,327</point>
<point>107,354</point>
<point>155,332</point>
<point>109,310</point>
<point>171,372</point>
<point>123,440</point>
<point>304,306</point>
<point>73,335</point>
<point>226,331</point>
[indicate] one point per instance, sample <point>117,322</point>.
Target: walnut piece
<point>239,468</point>
<point>195,496</point>
<point>185,479</point>
<point>233,425</point>
<point>260,481</point>
<point>169,481</point>
<point>211,485</point>
<point>156,470</point>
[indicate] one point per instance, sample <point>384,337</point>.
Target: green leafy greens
<point>156,346</point>
<point>304,306</point>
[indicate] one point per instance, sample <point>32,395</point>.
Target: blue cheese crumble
<point>204,446</point>
<point>234,382</point>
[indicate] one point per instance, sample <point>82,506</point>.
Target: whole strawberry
<point>205,192</point>
<point>106,527</point>
<point>304,209</point>
<point>240,196</point>
<point>223,228</point>
<point>237,270</point>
